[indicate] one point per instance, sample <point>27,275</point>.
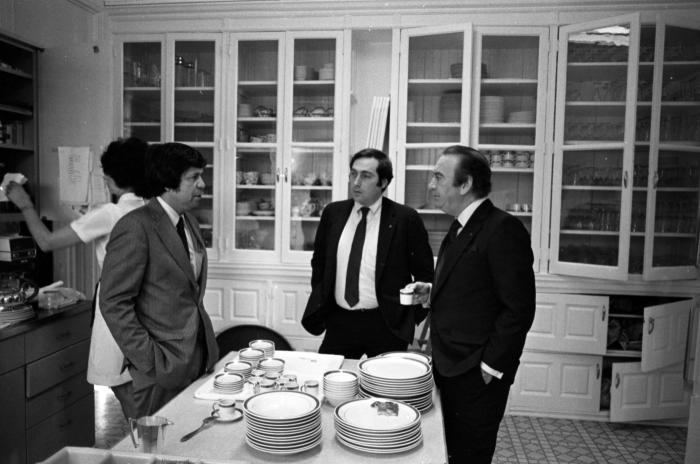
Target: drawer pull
<point>63,335</point>
<point>64,396</point>
<point>597,371</point>
<point>65,424</point>
<point>651,324</point>
<point>617,380</point>
<point>67,365</point>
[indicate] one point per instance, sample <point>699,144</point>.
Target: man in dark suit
<point>366,249</point>
<point>482,304</point>
<point>153,283</point>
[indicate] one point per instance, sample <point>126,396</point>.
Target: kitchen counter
<point>226,441</point>
<point>43,316</point>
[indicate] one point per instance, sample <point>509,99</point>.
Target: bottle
<point>179,71</point>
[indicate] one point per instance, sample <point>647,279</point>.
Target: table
<point>226,441</point>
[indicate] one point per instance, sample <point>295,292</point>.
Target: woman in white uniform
<point>123,167</point>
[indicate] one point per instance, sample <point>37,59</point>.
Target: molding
<point>91,6</point>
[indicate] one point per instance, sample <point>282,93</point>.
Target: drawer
<point>56,335</point>
<point>73,426</point>
<point>54,369</point>
<point>12,446</point>
<point>12,355</point>
<point>56,398</point>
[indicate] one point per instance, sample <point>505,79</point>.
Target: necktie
<point>449,238</point>
<point>352,279</point>
<point>181,232</point>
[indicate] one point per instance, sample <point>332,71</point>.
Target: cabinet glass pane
<point>142,91</point>
<point>434,101</point>
<point>596,85</point>
<point>639,208</point>
<point>314,90</point>
<point>590,207</point>
<point>255,198</point>
<point>311,191</point>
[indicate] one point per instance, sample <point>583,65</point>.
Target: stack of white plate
<point>16,314</point>
<point>491,109</point>
<point>378,425</point>
<point>251,355</point>
<point>242,368</point>
<point>400,378</point>
<point>229,383</point>
<point>282,422</point>
<point>266,346</point>
<point>410,355</point>
<point>522,117</point>
<point>271,365</point>
<point>340,386</point>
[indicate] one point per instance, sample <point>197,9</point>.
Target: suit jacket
<point>483,301</point>
<point>151,300</point>
<point>403,255</point>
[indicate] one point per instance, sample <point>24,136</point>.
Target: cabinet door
<point>637,395</point>
<point>141,61</point>
<point>314,117</point>
<point>434,103</point>
<point>550,382</point>
<point>256,84</point>
<point>569,324</point>
<point>673,200</point>
<point>664,335</point>
<point>510,67</point>
<point>12,444</point>
<point>594,147</point>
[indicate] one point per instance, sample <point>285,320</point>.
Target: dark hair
<point>471,163</point>
<point>167,162</point>
<point>384,168</point>
<point>124,161</point>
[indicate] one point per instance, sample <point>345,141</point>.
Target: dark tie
<point>352,279</point>
<point>181,232</point>
<point>446,242</point>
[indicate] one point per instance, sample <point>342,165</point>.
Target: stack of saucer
<point>16,313</point>
<point>340,386</point>
<point>491,109</point>
<point>271,365</point>
<point>266,346</point>
<point>400,378</point>
<point>242,368</point>
<point>251,355</point>
<point>229,383</point>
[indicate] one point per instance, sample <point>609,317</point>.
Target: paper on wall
<point>73,174</point>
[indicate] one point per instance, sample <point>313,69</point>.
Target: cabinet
<point>18,107</point>
<point>627,147</point>
<point>46,400</point>
<point>617,357</point>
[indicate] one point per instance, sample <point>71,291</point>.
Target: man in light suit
<point>482,304</point>
<point>355,294</point>
<point>153,283</point>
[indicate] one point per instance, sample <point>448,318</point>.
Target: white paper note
<point>74,174</point>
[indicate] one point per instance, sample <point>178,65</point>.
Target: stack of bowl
<point>340,386</point>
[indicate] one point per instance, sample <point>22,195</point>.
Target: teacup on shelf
<point>250,177</point>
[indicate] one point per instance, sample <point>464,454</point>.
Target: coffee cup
<point>406,296</point>
<point>225,410</point>
<point>266,385</point>
<point>311,387</point>
<point>291,386</point>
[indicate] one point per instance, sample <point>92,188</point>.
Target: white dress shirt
<point>368,294</point>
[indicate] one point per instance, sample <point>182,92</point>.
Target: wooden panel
<point>248,302</point>
<point>73,426</point>
<point>12,351</point>
<point>59,334</point>
<point>56,398</point>
<point>56,368</point>
<point>12,445</point>
<point>288,309</point>
<point>557,383</point>
<point>664,335</point>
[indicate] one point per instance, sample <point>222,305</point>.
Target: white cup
<point>311,387</point>
<point>406,296</point>
<point>225,410</point>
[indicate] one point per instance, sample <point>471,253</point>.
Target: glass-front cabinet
<point>627,151</point>
<point>287,139</point>
<point>168,93</point>
<point>434,112</point>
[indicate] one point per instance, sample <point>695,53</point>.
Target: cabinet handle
<point>604,313</point>
<point>277,174</point>
<point>617,380</point>
<point>651,325</point>
<point>67,365</point>
<point>656,178</point>
<point>624,179</point>
<point>597,371</point>
<point>63,335</point>
<point>64,396</point>
<point>286,178</point>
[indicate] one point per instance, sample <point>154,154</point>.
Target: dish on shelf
<point>318,112</point>
<point>262,213</point>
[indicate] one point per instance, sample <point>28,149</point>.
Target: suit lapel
<point>165,230</point>
<point>461,243</point>
<point>386,233</point>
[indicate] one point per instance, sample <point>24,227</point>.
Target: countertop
<point>43,316</point>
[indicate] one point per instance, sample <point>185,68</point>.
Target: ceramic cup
<point>225,410</point>
<point>266,385</point>
<point>406,296</point>
<point>311,387</point>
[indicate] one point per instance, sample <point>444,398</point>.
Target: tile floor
<point>522,439</point>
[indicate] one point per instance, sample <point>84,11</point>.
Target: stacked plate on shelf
<point>491,109</point>
<point>242,368</point>
<point>400,378</point>
<point>16,314</point>
<point>229,383</point>
<point>282,422</point>
<point>378,425</point>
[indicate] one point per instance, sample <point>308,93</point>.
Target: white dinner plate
<point>360,413</point>
<point>281,404</point>
<point>273,450</point>
<point>408,355</point>
<point>394,368</point>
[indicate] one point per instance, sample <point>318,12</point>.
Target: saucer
<point>239,416</point>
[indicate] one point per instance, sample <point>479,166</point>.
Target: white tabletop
<point>226,441</point>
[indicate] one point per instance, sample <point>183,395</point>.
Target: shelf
<point>433,86</point>
<point>598,188</point>
<point>255,119</point>
<point>15,110</point>
<point>613,233</point>
<point>507,126</point>
<point>16,72</point>
<point>582,103</point>
<point>194,89</point>
<point>255,187</point>
<point>305,219</point>
<point>9,146</point>
<point>623,353</point>
<point>194,124</point>
<point>508,82</point>
<point>142,89</point>
<point>491,146</point>
<point>312,187</point>
<point>598,64</point>
<point>626,316</point>
<point>141,124</point>
<point>513,170</point>
<point>434,125</point>
<point>255,218</point>
<point>312,119</point>
<point>674,235</point>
